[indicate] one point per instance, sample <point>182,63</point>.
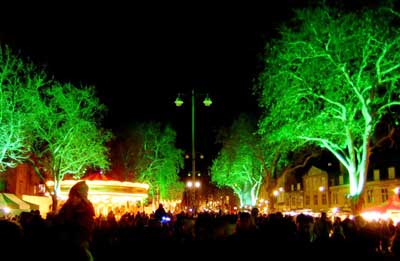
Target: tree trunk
<point>271,204</point>
<point>357,203</point>
<point>55,203</point>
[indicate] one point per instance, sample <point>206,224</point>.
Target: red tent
<point>96,176</point>
<point>392,205</point>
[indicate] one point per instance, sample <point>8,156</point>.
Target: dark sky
<point>140,58</point>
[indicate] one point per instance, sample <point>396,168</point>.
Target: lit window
<point>307,200</point>
<point>335,198</point>
<point>324,199</point>
<point>315,199</point>
<point>370,196</point>
<point>42,188</point>
<point>385,195</point>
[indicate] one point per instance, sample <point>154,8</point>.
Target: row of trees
<point>56,128</point>
<point>247,162</point>
<point>329,79</point>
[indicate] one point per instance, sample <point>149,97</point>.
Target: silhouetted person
<point>11,239</point>
<point>75,221</point>
<point>160,212</point>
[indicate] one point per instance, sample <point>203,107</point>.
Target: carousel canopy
<point>101,185</point>
<point>96,176</point>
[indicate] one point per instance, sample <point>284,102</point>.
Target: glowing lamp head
<point>321,188</point>
<point>189,184</point>
<point>207,101</point>
<point>276,193</point>
<point>178,102</point>
<point>197,184</point>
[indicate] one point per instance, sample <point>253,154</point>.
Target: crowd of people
<point>75,233</point>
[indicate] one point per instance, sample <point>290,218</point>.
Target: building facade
<point>22,180</point>
<point>318,192</point>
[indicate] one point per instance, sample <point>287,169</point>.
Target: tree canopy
<point>52,125</point>
<point>19,83</point>
<point>237,165</point>
<point>329,79</point>
<point>68,138</point>
<point>159,161</point>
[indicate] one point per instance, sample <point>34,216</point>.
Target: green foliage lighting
<point>237,166</point>
<point>330,81</point>
<point>159,161</point>
<point>52,125</point>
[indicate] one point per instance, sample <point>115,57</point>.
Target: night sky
<point>140,58</point>
<point>139,63</point>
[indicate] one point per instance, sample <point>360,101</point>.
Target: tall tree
<point>159,161</point>
<point>329,79</point>
<point>68,139</point>
<point>19,81</point>
<point>237,165</point>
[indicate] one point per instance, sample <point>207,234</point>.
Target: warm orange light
<point>102,183</point>
<point>106,194</point>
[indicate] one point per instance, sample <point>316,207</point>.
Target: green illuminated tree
<point>18,81</point>
<point>329,79</point>
<point>51,125</point>
<point>68,139</point>
<point>159,161</point>
<point>238,165</point>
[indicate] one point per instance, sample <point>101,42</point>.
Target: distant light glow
<point>374,216</point>
<point>207,101</point>
<point>102,183</point>
<point>178,102</point>
<point>165,219</point>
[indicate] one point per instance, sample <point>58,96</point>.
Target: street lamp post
<point>207,102</point>
<point>193,156</point>
<point>193,186</point>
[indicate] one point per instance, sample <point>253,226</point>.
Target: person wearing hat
<point>76,219</point>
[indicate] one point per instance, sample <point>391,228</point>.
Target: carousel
<point>108,195</point>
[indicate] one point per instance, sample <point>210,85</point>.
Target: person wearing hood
<point>76,219</point>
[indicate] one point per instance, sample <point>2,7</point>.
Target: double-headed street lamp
<point>207,102</point>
